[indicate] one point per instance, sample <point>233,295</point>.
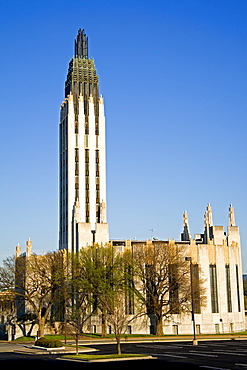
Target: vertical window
<point>217,328</point>
<point>237,282</point>
<point>198,329</point>
<point>175,329</point>
<point>86,155</point>
<point>96,129</point>
<point>87,205</point>
<point>151,291</point>
<point>97,163</point>
<point>196,288</point>
<point>228,288</point>
<point>129,294</point>
<point>173,288</point>
<point>214,290</point>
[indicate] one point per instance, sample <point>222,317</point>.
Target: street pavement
<point>9,346</point>
<point>218,355</point>
<point>207,354</point>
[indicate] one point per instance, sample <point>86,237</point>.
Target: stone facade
<point>218,255</point>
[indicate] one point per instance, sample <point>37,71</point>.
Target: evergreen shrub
<point>48,343</point>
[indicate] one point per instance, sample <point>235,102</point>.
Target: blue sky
<point>173,75</point>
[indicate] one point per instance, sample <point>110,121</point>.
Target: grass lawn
<point>96,335</point>
<point>57,337</point>
<point>129,336</point>
<point>101,357</point>
<point>25,339</point>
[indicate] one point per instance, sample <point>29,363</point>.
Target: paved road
<point>53,362</point>
<point>218,355</point>
<point>208,354</point>
<point>9,346</point>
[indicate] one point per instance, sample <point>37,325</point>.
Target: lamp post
<point>93,232</point>
<point>189,259</point>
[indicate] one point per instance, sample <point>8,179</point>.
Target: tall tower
<point>82,155</point>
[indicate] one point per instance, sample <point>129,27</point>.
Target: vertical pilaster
<point>102,153</point>
<point>82,145</point>
<point>71,164</point>
<point>92,170</point>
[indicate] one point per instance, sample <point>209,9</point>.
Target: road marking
<point>228,353</point>
<point>201,354</point>
<point>212,367</point>
<point>167,354</point>
<point>245,365</point>
<point>159,346</point>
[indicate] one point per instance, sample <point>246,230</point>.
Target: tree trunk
<point>103,330</point>
<point>41,324</point>
<point>118,344</point>
<point>30,330</point>
<point>76,343</point>
<point>159,326</point>
<point>23,329</point>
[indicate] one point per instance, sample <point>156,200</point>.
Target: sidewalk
<point>168,338</point>
<point>29,349</point>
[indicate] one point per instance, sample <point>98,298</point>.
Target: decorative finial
<point>208,217</point>
<point>81,45</point>
<point>186,236</point>
<point>231,216</point>
<point>186,221</point>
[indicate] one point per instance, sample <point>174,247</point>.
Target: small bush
<point>47,343</point>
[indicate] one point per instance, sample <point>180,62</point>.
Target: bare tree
<point>164,281</point>
<point>109,274</point>
<point>35,281</point>
<point>78,295</point>
<point>117,314</point>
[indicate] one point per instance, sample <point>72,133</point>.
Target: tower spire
<point>208,224</point>
<point>81,45</point>
<point>231,216</point>
<point>208,217</point>
<point>82,154</point>
<point>185,236</point>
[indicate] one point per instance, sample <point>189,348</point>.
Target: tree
<point>164,281</point>
<point>108,274</point>
<point>113,289</point>
<point>78,295</point>
<point>35,281</point>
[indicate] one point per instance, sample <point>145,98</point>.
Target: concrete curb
<point>47,349</point>
<point>35,350</point>
<point>108,359</point>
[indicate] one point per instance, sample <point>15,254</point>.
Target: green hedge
<point>47,343</point>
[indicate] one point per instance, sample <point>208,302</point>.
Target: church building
<point>83,218</point>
